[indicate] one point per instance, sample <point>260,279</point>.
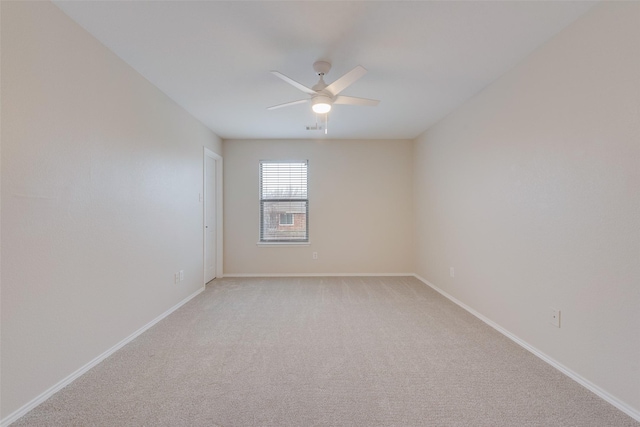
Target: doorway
<point>212,213</point>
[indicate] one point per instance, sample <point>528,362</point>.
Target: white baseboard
<point>323,275</point>
<point>14,416</point>
<point>568,372</point>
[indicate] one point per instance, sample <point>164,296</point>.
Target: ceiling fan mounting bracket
<point>321,67</point>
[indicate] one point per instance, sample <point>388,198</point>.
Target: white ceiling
<point>424,58</point>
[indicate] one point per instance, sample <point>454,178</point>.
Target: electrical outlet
<point>181,275</point>
<point>452,272</point>
<point>314,255</point>
<point>554,317</point>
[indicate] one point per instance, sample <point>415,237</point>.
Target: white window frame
<point>282,242</point>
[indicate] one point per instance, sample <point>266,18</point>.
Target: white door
<point>210,240</point>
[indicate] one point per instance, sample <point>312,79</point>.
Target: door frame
<point>219,223</point>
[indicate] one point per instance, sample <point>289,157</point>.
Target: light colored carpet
<point>383,351</point>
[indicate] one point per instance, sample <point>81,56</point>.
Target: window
<point>286,219</point>
<point>284,203</point>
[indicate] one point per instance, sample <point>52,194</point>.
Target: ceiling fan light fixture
<point>321,104</point>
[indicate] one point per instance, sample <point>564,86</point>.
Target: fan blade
<point>286,104</point>
<point>294,83</point>
<point>351,100</point>
<point>344,81</point>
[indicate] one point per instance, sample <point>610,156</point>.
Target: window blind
<point>284,202</point>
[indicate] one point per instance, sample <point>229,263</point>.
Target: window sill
<point>283,244</point>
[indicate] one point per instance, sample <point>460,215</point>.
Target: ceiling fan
<point>323,96</point>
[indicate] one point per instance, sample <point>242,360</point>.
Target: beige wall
<point>532,192</point>
<point>100,180</point>
<point>360,213</point>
